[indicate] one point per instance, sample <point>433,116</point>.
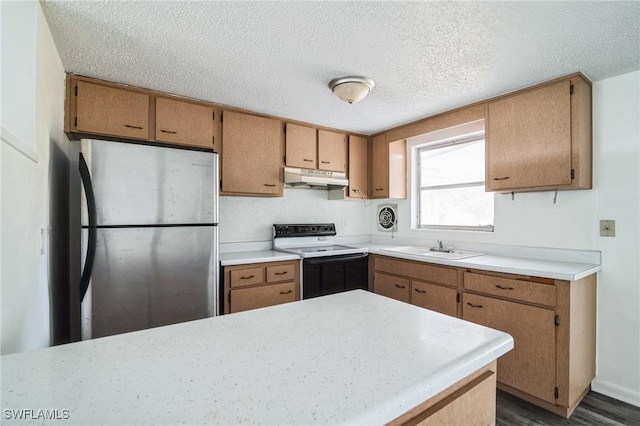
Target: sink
<point>425,251</point>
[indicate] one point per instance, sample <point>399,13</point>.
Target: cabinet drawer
<point>248,276</point>
<point>435,297</point>
<point>261,296</point>
<point>526,291</point>
<point>393,287</point>
<point>419,270</point>
<point>280,273</point>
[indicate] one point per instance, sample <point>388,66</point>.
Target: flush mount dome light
<point>351,88</point>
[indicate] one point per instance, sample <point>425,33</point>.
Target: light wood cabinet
<point>332,151</point>
<point>104,110</point>
<point>259,285</point>
<point>301,146</point>
<point>552,323</point>
<point>428,286</point>
<point>540,138</point>
<point>252,157</point>
<point>388,168</point>
<point>184,123</point>
<point>95,108</point>
<point>358,174</point>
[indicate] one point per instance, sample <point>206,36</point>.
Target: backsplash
<point>249,219</point>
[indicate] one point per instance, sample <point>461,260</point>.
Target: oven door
<point>332,274</point>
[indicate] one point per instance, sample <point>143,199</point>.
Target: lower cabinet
<point>428,286</point>
<point>259,285</point>
<point>552,322</point>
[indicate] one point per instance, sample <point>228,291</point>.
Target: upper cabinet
<point>252,155</point>
<point>301,148</point>
<point>358,174</point>
<point>540,138</point>
<point>388,168</point>
<point>184,123</point>
<point>332,151</point>
<point>104,110</point>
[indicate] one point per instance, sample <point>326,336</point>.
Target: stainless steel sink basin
<point>425,251</point>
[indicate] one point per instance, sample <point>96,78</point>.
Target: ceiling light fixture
<point>351,88</point>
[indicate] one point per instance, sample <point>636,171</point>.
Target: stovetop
<point>310,240</point>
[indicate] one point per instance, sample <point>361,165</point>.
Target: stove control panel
<point>303,230</point>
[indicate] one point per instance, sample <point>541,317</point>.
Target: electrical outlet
<point>41,241</point>
<point>607,228</point>
<point>344,222</point>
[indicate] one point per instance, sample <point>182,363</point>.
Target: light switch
<point>607,228</point>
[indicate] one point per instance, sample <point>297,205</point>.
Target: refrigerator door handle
<point>91,209</point>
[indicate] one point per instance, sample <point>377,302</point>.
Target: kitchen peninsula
<point>347,358</point>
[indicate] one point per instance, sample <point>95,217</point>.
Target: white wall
<point>25,189</point>
<point>245,219</point>
<point>616,148</point>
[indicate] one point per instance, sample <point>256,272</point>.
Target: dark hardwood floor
<point>595,409</point>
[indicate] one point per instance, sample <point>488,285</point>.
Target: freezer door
<point>150,277</point>
<point>142,185</point>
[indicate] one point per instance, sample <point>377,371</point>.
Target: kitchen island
<point>348,358</point>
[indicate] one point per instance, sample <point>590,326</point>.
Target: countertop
<point>569,271</point>
<point>554,269</point>
<point>246,257</point>
<point>348,358</point>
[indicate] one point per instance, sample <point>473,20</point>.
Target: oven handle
<point>331,259</point>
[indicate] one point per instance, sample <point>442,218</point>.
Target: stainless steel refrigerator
<point>149,237</point>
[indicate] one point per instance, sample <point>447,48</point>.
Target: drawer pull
<point>420,291</point>
<point>326,162</point>
<point>503,287</point>
<point>379,189</point>
<point>168,131</point>
<point>247,278</point>
<point>286,292</point>
<point>281,273</point>
<point>307,160</point>
<point>133,127</point>
<point>269,184</point>
<point>501,178</point>
<point>474,306</point>
<point>400,286</point>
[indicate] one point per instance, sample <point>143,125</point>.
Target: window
<point>451,186</point>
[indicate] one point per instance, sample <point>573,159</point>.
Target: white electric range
<point>326,267</point>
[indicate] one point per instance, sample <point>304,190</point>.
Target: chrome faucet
<point>441,248</point>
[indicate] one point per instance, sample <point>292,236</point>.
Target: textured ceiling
<point>278,57</point>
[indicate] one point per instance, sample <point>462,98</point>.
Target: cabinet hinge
<point>556,320</point>
<point>76,90</point>
<point>573,174</point>
<point>571,89</point>
<point>75,121</point>
<point>457,297</point>
<point>555,393</point>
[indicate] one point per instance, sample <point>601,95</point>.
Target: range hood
<point>316,178</point>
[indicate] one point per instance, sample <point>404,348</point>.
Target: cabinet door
<point>332,151</point>
<point>391,286</point>
<point>435,297</point>
<point>243,299</point>
<point>358,176</point>
<point>301,147</point>
<point>252,154</point>
<point>106,110</point>
<point>530,366</point>
<point>380,167</point>
<point>184,123</point>
<point>529,139</point>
